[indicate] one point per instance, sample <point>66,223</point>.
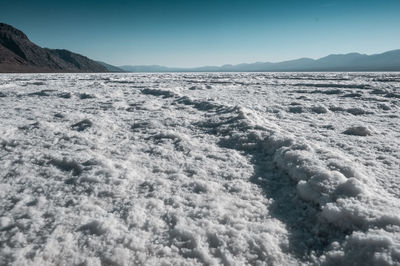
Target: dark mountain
<point>388,61</point>
<point>111,68</point>
<point>19,54</point>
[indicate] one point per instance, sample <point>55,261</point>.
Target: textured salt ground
<point>199,169</point>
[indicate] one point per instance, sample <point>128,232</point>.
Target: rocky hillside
<point>19,54</point>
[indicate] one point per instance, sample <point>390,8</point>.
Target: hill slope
<point>111,68</point>
<point>19,54</point>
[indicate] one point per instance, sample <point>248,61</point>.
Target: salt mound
<point>358,131</point>
<point>319,109</point>
<point>356,111</point>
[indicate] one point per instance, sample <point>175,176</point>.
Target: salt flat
<point>200,169</point>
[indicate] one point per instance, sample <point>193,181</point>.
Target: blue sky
<point>197,33</point>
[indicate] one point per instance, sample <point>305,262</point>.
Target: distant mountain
<point>111,68</point>
<point>388,61</point>
<point>150,68</point>
<point>19,54</point>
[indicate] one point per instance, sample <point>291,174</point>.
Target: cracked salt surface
<point>200,169</point>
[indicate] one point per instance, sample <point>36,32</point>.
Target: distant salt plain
<point>200,169</point>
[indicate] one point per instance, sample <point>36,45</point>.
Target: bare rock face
<point>19,54</point>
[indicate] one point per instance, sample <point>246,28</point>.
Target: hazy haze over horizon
<point>197,33</point>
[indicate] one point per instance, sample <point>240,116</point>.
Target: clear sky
<point>205,32</point>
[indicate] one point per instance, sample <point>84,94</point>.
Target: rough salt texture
<point>200,169</point>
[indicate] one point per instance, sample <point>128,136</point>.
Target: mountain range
<point>388,61</point>
<point>19,54</point>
